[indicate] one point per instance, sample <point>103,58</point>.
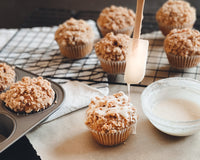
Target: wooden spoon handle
<point>138,19</point>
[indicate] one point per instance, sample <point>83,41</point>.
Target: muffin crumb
<point>183,42</point>
<point>110,114</point>
<point>29,95</point>
<point>176,12</point>
<point>113,47</point>
<point>7,76</point>
<point>74,32</point>
<point>116,18</point>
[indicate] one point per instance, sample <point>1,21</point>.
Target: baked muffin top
<point>109,114</point>
<point>113,47</point>
<point>74,32</point>
<point>115,18</point>
<point>183,42</point>
<point>29,95</point>
<point>176,13</point>
<point>7,76</point>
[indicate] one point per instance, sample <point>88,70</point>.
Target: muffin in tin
<point>29,95</point>
<point>116,19</point>
<point>75,38</point>
<point>7,76</point>
<point>111,119</point>
<point>182,47</point>
<point>112,51</point>
<point>175,14</point>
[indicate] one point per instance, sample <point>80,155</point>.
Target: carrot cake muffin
<point>7,76</point>
<point>182,47</point>
<point>29,95</point>
<point>116,19</point>
<point>111,119</point>
<point>112,51</point>
<point>175,14</point>
<point>75,38</point>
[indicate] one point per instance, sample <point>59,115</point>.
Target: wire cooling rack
<point>35,50</point>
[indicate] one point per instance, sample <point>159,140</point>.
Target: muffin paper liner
<point>128,30</point>
<point>111,139</point>
<point>165,29</point>
<point>113,67</point>
<point>181,62</point>
<point>77,51</point>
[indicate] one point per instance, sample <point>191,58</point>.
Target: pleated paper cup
<point>128,30</point>
<point>111,139</point>
<point>76,51</point>
<point>113,67</point>
<point>183,62</point>
<point>165,29</point>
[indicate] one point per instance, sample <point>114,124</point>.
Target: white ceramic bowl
<point>176,87</point>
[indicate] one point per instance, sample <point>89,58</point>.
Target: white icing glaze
<point>176,109</point>
<point>119,105</point>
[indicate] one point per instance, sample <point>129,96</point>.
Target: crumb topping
<point>176,12</point>
<point>116,18</point>
<point>109,114</point>
<point>29,95</point>
<point>74,32</point>
<point>113,47</point>
<point>183,42</point>
<point>7,76</point>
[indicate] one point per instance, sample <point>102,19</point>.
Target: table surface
<point>77,143</point>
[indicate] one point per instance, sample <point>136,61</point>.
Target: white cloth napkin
<point>77,95</point>
<point>5,35</point>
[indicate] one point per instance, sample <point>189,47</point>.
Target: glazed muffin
<point>112,51</point>
<point>75,38</point>
<point>182,47</point>
<point>117,20</point>
<point>111,119</point>
<point>175,14</point>
<point>29,95</point>
<point>7,76</point>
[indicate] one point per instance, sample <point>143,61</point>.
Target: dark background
<point>13,13</point>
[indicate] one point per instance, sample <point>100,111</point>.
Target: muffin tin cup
<point>165,29</point>
<point>128,30</point>
<point>14,125</point>
<point>113,67</point>
<point>183,62</point>
<point>111,139</point>
<point>77,51</point>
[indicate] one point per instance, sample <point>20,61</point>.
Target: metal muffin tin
<point>13,125</point>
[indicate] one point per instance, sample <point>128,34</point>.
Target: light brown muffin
<point>117,20</point>
<point>111,119</point>
<point>75,38</point>
<point>182,47</point>
<point>29,95</point>
<point>175,14</point>
<point>112,51</point>
<point>7,76</point>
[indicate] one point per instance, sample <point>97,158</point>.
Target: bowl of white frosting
<point>172,105</point>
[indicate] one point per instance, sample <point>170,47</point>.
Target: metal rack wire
<point>35,50</point>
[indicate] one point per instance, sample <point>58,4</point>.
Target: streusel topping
<point>183,42</point>
<point>176,12</point>
<point>109,114</point>
<point>116,18</point>
<point>113,47</point>
<point>29,95</point>
<point>7,76</point>
<point>74,32</point>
